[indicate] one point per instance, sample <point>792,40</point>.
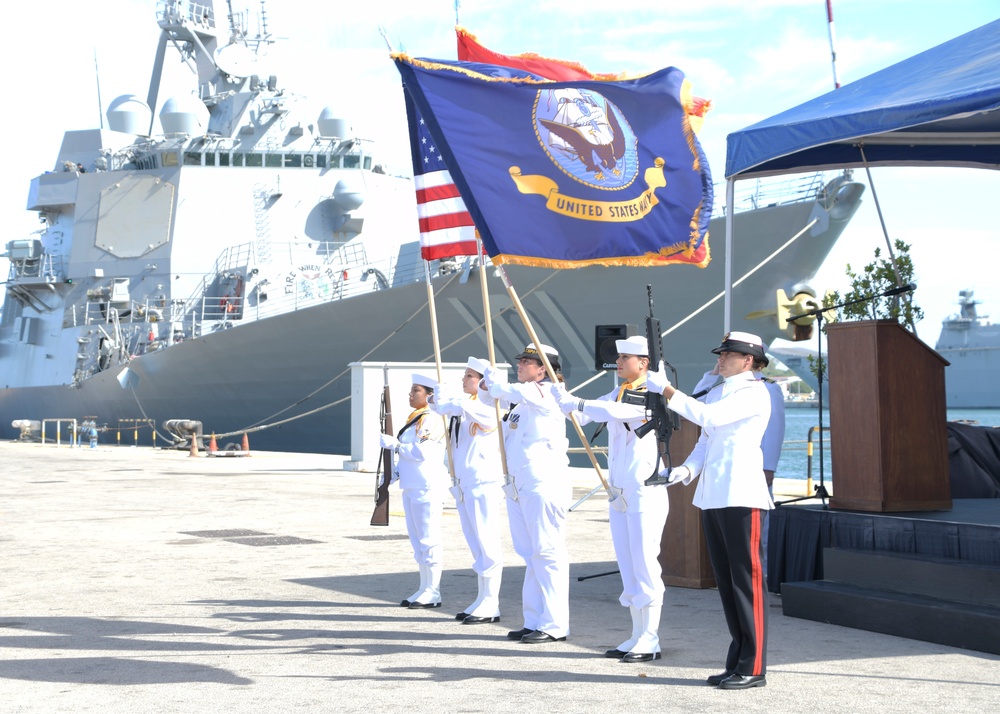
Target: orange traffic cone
<point>212,446</point>
<point>194,446</point>
<point>246,444</point>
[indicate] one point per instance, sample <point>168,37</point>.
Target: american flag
<point>446,228</point>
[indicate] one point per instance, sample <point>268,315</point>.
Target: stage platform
<point>969,532</point>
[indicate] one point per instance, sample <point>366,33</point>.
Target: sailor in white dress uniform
<point>423,479</point>
<point>479,477</point>
<point>540,492</point>
<point>638,512</point>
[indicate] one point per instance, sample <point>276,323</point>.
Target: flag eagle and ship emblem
<point>555,174</point>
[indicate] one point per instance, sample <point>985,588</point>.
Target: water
<point>794,457</point>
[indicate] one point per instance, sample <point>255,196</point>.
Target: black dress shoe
<point>743,681</point>
<point>461,616</point>
<point>424,605</point>
<point>404,603</point>
<point>615,654</point>
<point>641,657</point>
<point>518,634</point>
<point>716,679</point>
<point>538,637</point>
<point>476,620</point>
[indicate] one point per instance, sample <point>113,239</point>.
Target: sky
<point>68,60</point>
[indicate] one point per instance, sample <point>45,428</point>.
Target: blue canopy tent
<point>938,108</point>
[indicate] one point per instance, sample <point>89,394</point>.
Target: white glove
<point>443,393</point>
<point>567,402</point>
<point>490,377</point>
<point>657,381</point>
<point>388,441</point>
<point>677,475</point>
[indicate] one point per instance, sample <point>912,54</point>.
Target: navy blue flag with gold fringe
<point>569,174</point>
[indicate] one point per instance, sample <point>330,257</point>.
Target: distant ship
<point>971,343</point>
<point>219,256</point>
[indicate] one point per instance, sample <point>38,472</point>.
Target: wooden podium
<point>888,432</point>
<point>683,555</point>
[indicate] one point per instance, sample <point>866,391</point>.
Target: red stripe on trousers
<point>757,584</point>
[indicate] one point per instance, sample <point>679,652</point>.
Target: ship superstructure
<point>971,344</point>
<point>228,266</point>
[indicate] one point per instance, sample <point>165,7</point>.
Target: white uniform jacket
<point>477,444</point>
<point>421,458</point>
<point>728,456</point>
<point>631,460</point>
<point>774,434</point>
<point>534,431</point>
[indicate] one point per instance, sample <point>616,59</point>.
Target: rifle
<point>661,419</point>
<point>383,473</point>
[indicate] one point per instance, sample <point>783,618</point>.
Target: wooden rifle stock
<point>383,473</point>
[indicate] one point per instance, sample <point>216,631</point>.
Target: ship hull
<point>967,382</point>
<point>273,371</point>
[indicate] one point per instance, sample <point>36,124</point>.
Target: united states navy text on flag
<point>446,228</point>
<point>568,174</point>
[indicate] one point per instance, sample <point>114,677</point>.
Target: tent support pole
<point>727,312</point>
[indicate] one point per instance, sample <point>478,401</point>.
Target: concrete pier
<point>140,580</point>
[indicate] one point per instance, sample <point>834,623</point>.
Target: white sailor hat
<point>423,380</point>
<point>532,352</point>
<point>635,345</point>
<point>477,365</point>
<point>744,343</point>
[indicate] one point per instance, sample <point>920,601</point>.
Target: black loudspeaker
<point>605,351</point>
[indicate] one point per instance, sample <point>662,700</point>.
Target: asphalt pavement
<point>141,580</point>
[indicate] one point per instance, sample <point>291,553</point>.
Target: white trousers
<point>479,514</point>
<point>636,537</point>
<point>423,524</point>
<point>538,531</point>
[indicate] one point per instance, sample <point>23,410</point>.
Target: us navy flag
<point>569,174</point>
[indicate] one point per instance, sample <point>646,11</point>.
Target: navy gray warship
<point>971,343</point>
<point>221,256</point>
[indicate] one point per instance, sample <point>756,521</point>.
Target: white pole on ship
<point>833,50</point>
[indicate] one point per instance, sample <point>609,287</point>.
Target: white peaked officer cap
<point>744,343</point>
<point>531,351</point>
<point>634,345</point>
<point>424,381</point>
<point>477,365</point>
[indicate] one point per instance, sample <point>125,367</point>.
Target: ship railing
<point>761,193</point>
<point>179,149</point>
<point>45,268</point>
<point>189,318</point>
<point>169,14</point>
